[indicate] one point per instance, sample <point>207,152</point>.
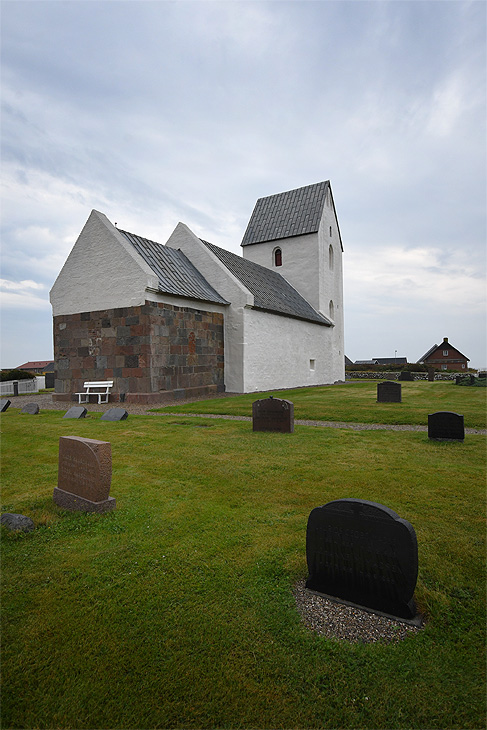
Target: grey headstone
<point>4,404</point>
<point>363,552</point>
<point>16,522</point>
<point>431,375</point>
<point>389,392</point>
<point>446,425</point>
<point>76,412</point>
<point>31,408</point>
<point>115,414</point>
<point>406,375</point>
<point>273,414</point>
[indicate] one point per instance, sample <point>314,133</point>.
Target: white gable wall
<point>103,271</point>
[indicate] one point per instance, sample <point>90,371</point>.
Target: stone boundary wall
<point>366,375</point>
<point>145,350</point>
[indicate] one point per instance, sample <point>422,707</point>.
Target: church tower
<point>297,234</point>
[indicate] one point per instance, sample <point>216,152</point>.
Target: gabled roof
<point>175,272</point>
<point>271,291</point>
<point>35,364</point>
<point>293,213</point>
<point>443,345</point>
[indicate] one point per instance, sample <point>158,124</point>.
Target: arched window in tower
<point>277,257</point>
<point>331,309</point>
<point>331,257</point>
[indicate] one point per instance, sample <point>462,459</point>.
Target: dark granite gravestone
<point>363,552</point>
<point>15,522</point>
<point>273,414</point>
<point>31,408</point>
<point>84,475</point>
<point>76,412</point>
<point>406,375</point>
<point>114,414</point>
<point>4,404</point>
<point>431,375</point>
<point>389,392</point>
<point>446,425</point>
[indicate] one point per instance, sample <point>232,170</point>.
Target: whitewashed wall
<point>278,351</point>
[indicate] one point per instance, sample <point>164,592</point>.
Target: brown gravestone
<point>84,475</point>
<point>389,392</point>
<point>273,414</point>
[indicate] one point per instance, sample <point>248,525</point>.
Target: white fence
<point>24,386</point>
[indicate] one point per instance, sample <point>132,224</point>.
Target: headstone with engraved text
<point>389,392</point>
<point>84,475</point>
<point>446,425</point>
<point>273,414</point>
<point>363,552</point>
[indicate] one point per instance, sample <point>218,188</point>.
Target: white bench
<point>100,388</point>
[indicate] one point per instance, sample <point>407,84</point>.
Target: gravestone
<point>389,392</point>
<point>273,414</point>
<point>31,408</point>
<point>4,404</point>
<point>431,375</point>
<point>76,412</point>
<point>84,475</point>
<point>406,375</point>
<point>15,522</point>
<point>364,553</point>
<point>114,414</point>
<point>446,425</point>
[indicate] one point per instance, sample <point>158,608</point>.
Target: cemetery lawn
<point>356,401</point>
<point>176,610</point>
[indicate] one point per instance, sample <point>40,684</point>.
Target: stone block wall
<point>145,350</point>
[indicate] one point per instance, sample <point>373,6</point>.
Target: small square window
<point>443,367</point>
<point>445,353</point>
<point>312,364</point>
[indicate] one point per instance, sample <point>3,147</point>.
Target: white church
<point>189,318</point>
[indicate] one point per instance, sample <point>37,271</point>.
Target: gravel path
<point>138,409</point>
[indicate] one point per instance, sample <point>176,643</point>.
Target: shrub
<point>16,375</point>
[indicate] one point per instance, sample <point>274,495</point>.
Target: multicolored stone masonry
<point>145,350</point>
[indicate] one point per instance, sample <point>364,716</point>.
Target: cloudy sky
<point>156,112</point>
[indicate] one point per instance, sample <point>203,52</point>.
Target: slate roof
<point>293,213</point>
<point>175,272</point>
<point>441,346</point>
<point>271,291</point>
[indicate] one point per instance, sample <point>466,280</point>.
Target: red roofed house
<point>37,366</point>
<point>445,357</point>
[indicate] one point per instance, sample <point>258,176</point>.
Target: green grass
<point>356,401</point>
<point>176,610</point>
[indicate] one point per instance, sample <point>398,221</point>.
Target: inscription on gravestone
<point>446,425</point>
<point>84,475</point>
<point>273,414</point>
<point>363,552</point>
<point>389,392</point>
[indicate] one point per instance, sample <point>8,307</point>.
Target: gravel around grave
<point>346,623</point>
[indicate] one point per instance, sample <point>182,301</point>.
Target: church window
<point>330,231</point>
<point>331,257</point>
<point>331,309</point>
<point>312,364</point>
<point>277,257</point>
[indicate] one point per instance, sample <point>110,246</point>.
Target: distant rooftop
<point>175,272</point>
<point>293,213</point>
<point>272,293</point>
